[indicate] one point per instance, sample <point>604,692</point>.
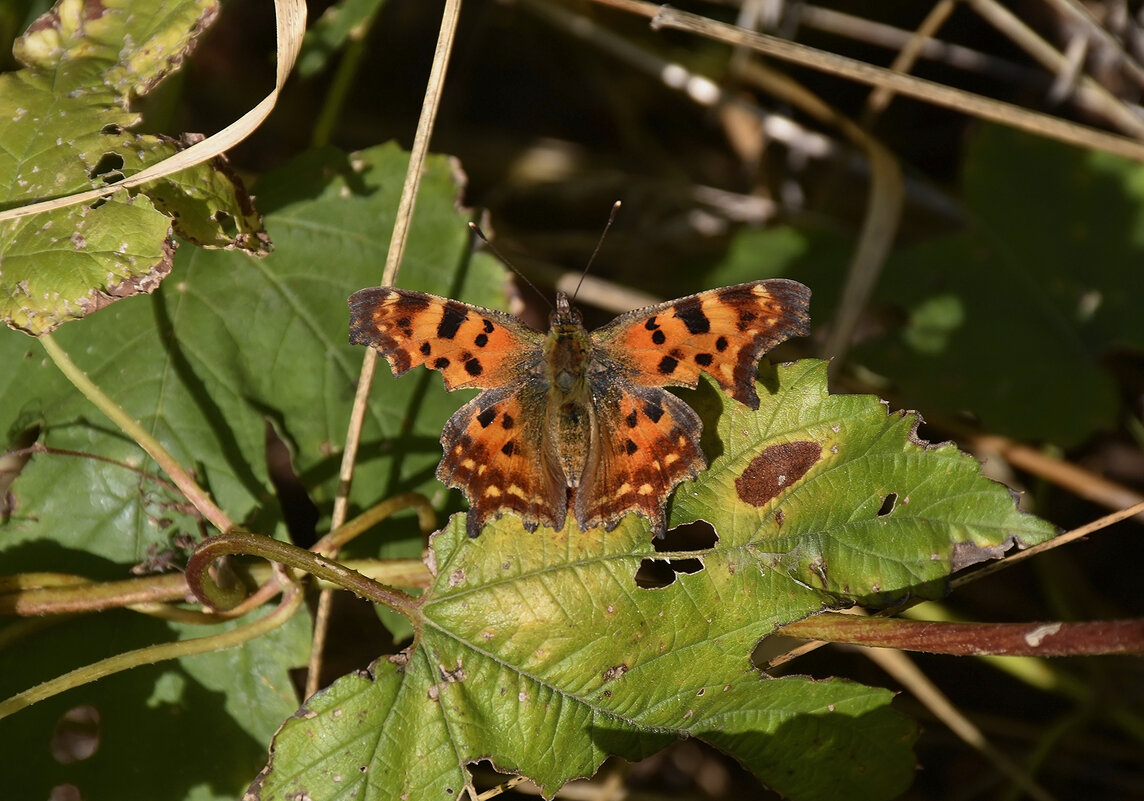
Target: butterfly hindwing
<point>468,345</point>
<point>647,442</point>
<point>722,332</point>
<point>494,453</point>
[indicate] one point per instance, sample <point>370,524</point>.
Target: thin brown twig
<point>904,62</point>
<point>425,124</point>
<point>1008,23</point>
<point>927,91</point>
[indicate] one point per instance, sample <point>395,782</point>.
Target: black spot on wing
<point>507,421</point>
<point>630,447</point>
<point>473,367</point>
<point>452,315</point>
<point>721,344</point>
<point>508,449</point>
<point>704,359</point>
<point>440,363</point>
<point>481,340</point>
<point>658,337</point>
<point>632,419</point>
<point>426,348</point>
<point>667,365</point>
<point>690,311</point>
<point>653,411</point>
<point>486,417</point>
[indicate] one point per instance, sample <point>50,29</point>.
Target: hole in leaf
<point>697,536</point>
<point>109,168</point>
<point>654,574</point>
<point>227,223</point>
<point>76,736</point>
<point>888,504</point>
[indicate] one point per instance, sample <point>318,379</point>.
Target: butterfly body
<point>576,422</point>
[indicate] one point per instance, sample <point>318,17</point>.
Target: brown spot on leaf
<point>776,468</point>
<point>968,553</point>
<point>615,672</point>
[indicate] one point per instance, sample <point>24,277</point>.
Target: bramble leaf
<point>541,653</point>
<point>64,128</point>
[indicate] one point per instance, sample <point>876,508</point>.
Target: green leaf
<point>64,124</point>
<point>331,31</point>
<point>540,652</point>
<point>230,344</point>
<point>1014,318</point>
<point>840,493</point>
<point>191,728</point>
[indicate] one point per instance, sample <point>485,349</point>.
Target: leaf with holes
<point>230,346</point>
<point>538,653</point>
<point>66,128</point>
<point>544,654</point>
<point>841,495</point>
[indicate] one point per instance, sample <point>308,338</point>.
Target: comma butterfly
<point>572,421</point>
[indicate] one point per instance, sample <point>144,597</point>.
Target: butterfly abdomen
<point>569,417</point>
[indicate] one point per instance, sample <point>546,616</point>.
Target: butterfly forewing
<point>722,332</point>
<point>470,346</point>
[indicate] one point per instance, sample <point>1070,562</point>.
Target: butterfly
<point>573,421</point>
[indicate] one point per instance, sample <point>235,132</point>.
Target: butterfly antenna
<point>476,229</point>
<point>600,244</point>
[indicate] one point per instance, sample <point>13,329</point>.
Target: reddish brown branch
<point>959,639</point>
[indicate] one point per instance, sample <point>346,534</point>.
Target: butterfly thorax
<point>567,358</point>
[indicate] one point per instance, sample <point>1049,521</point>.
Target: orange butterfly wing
<point>722,332</point>
<point>494,452</point>
<point>468,345</point>
<point>500,448</point>
<point>646,441</point>
<point>494,443</point>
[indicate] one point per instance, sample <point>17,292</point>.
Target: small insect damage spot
<point>451,676</point>
<point>654,574</point>
<point>775,469</point>
<point>457,577</point>
<point>615,672</point>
